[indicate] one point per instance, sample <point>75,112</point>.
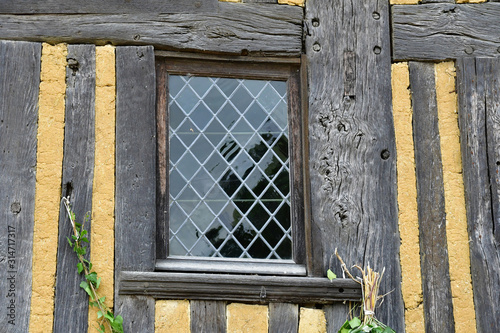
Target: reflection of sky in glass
<point>229,168</point>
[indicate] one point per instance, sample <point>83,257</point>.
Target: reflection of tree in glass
<point>244,199</point>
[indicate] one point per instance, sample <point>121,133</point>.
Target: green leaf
<point>99,314</point>
<point>83,233</point>
<point>331,275</point>
<point>355,322</point>
<point>92,278</point>
<point>388,330</point>
<point>345,328</point>
<point>80,267</point>
<point>109,317</point>
<point>98,283</point>
<point>69,241</point>
<point>84,239</point>
<point>85,286</point>
<point>103,298</point>
<point>378,330</point>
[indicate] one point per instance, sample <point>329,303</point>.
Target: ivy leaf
<point>99,314</point>
<point>70,244</point>
<point>355,322</point>
<point>80,267</point>
<point>85,286</point>
<point>331,275</point>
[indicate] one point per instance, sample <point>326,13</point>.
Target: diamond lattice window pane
<point>229,168</point>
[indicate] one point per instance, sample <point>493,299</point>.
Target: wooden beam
<point>438,307</point>
<point>78,171</point>
<point>445,31</point>
<point>352,143</point>
<point>135,222</point>
<point>478,98</point>
<point>208,316</point>
<point>283,317</point>
<point>108,7</point>
<point>254,29</point>
<point>237,288</point>
<point>19,86</point>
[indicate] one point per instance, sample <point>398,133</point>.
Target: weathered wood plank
<point>336,314</point>
<point>19,85</point>
<point>109,7</point>
<point>267,29</point>
<point>477,87</point>
<point>438,307</point>
<point>283,317</point>
<point>243,288</point>
<point>208,316</point>
<point>78,170</point>
<point>445,31</point>
<point>352,144</point>
<point>135,211</point>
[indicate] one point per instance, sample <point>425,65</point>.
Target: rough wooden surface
<point>266,29</point>
<point>438,307</point>
<point>237,288</point>
<point>19,84</point>
<point>478,91</point>
<point>445,31</point>
<point>352,144</point>
<point>135,219</point>
<point>208,316</point>
<point>78,169</point>
<point>109,7</point>
<point>336,314</point>
<point>283,317</point>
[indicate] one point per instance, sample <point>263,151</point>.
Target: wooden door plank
<point>438,307</point>
<point>109,7</point>
<point>477,87</point>
<point>267,30</point>
<point>283,317</point>
<point>336,314</point>
<point>352,143</point>
<point>78,170</point>
<point>445,31</point>
<point>135,220</point>
<point>19,86</point>
<point>208,316</point>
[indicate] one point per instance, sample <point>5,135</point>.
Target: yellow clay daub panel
<point>407,197</point>
<point>51,107</point>
<point>103,204</point>
<point>292,2</point>
<point>312,321</point>
<point>456,220</point>
<point>172,317</point>
<point>244,318</point>
<point>404,2</point>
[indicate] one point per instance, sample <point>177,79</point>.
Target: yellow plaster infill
<point>407,199</point>
<point>404,2</point>
<point>51,106</point>
<point>103,197</point>
<point>312,321</point>
<point>456,220</point>
<point>282,2</point>
<point>244,318</point>
<point>470,1</point>
<point>172,317</point>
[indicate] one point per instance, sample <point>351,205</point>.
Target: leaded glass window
<point>229,168</point>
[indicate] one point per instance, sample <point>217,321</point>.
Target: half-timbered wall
<point>402,127</point>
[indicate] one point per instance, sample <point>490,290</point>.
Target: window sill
<point>238,288</point>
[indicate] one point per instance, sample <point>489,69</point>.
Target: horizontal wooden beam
<point>445,31</point>
<point>242,288</point>
<point>253,29</point>
<point>106,7</point>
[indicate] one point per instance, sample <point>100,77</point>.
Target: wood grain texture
<point>438,307</point>
<point>208,316</point>
<point>283,318</point>
<point>135,210</point>
<point>110,7</point>
<point>477,87</point>
<point>445,31</point>
<point>352,144</point>
<point>336,314</point>
<point>237,288</point>
<point>19,85</point>
<point>78,171</point>
<point>267,29</point>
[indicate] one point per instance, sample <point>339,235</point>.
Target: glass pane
<point>229,168</point>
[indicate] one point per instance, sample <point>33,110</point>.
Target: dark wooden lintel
<point>241,288</point>
<point>242,29</point>
<point>439,31</point>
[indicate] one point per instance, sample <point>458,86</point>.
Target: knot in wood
<point>73,64</point>
<point>15,208</point>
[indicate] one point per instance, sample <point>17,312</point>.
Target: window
<point>230,182</point>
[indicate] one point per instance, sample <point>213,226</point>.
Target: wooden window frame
<point>231,279</point>
<point>287,70</point>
